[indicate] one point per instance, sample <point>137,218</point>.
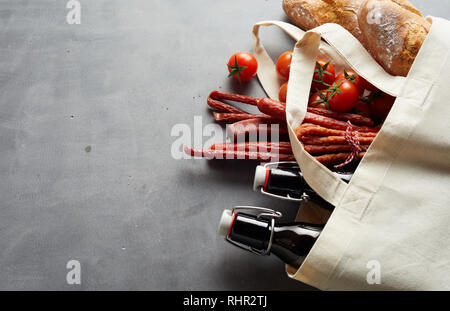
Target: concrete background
<point>86,113</point>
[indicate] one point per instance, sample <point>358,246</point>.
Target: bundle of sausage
<point>252,130</point>
<point>323,132</point>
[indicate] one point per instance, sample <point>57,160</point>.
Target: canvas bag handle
<point>345,50</point>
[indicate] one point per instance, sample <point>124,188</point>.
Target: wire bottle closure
<point>264,213</point>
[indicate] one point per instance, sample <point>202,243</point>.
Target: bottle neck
<point>289,182</point>
<point>293,242</point>
<point>285,180</point>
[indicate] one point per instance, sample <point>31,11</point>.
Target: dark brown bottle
<point>285,181</point>
<point>262,235</point>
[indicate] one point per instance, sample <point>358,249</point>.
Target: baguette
<point>391,30</point>
<point>309,14</point>
<point>393,35</point>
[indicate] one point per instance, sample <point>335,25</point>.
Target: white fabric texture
<point>395,212</point>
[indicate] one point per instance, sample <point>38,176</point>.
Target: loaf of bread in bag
<point>309,14</point>
<point>391,30</point>
<point>392,34</point>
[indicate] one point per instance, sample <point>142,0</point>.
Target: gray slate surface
<point>86,113</point>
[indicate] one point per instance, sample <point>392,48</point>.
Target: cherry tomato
<point>283,92</point>
<point>284,64</point>
<point>342,96</point>
<point>324,75</point>
<point>317,100</point>
<point>242,66</point>
<point>381,106</point>
<point>363,109</point>
<point>356,79</point>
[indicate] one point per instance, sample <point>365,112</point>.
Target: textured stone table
<point>86,113</point>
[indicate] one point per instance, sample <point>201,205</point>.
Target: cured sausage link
<point>280,147</point>
<point>308,129</point>
<point>318,149</point>
<point>332,140</point>
<point>234,97</point>
<point>322,117</point>
<point>352,117</point>
<point>218,105</point>
<point>238,155</point>
<point>336,124</point>
<point>273,108</point>
<point>235,117</point>
<point>328,118</point>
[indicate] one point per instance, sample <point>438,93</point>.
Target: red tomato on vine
<point>342,96</point>
<point>324,75</point>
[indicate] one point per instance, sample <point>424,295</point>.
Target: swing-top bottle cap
<point>226,221</point>
<point>260,177</point>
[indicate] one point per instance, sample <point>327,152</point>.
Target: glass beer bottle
<point>262,235</point>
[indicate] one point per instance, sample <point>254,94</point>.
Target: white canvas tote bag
<point>390,229</point>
